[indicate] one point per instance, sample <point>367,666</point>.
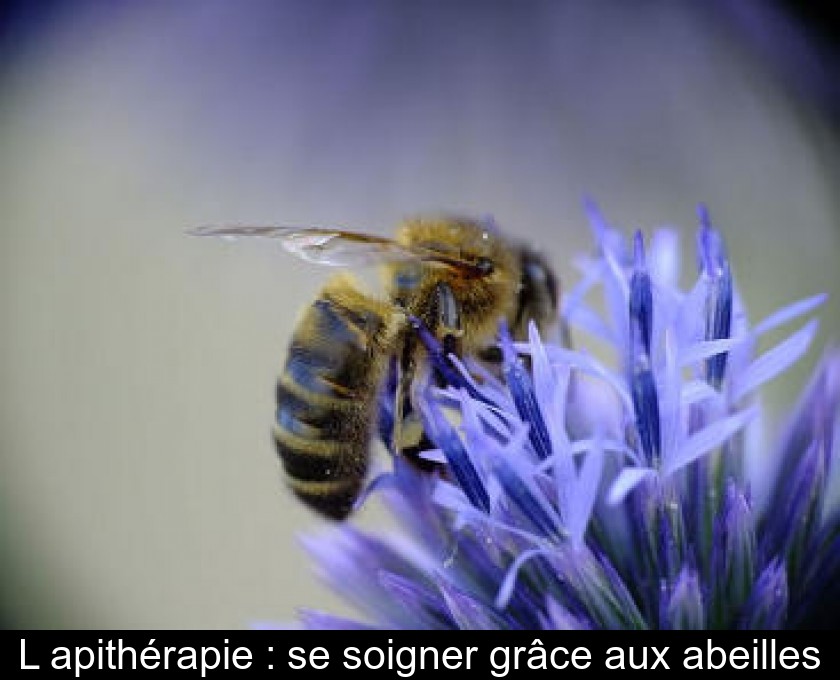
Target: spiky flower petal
<point>575,492</point>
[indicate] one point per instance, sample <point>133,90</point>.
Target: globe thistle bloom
<point>574,491</point>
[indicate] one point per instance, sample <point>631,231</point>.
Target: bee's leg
<point>450,332</point>
<point>402,436</point>
<point>445,341</point>
<point>394,405</point>
<point>387,404</point>
<point>492,354</point>
<point>409,439</point>
<point>405,376</point>
<point>449,328</point>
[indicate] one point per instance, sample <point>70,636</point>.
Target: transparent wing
<point>337,247</point>
<point>332,247</point>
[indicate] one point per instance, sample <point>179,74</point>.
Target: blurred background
<point>139,483</point>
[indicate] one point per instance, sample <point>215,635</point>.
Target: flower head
<point>575,491</point>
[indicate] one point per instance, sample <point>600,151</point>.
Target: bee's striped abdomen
<point>326,395</point>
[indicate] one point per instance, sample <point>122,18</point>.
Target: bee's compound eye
<point>485,265</point>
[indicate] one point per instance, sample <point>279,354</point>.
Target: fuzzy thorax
<point>482,299</point>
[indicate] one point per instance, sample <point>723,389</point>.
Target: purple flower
<point>584,492</point>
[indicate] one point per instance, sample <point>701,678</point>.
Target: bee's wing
<point>339,248</point>
<point>332,247</point>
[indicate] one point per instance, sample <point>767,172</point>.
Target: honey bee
<point>459,278</point>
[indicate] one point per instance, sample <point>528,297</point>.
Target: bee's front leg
<point>442,337</point>
<point>446,341</point>
<point>449,328</point>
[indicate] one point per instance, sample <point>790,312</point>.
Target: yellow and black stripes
<point>327,393</point>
